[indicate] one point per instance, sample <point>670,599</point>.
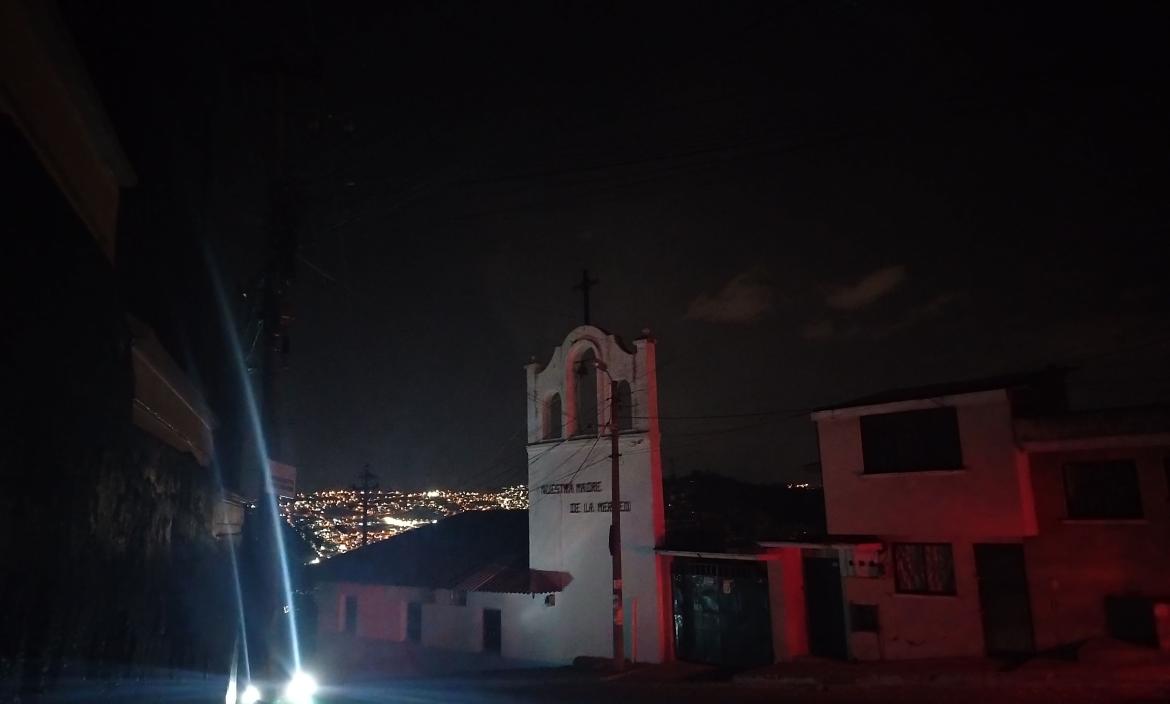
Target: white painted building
<point>474,583</point>
<point>569,473</point>
<point>1002,523</point>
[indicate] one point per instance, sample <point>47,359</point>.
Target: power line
<point>561,479</point>
<point>566,460</point>
<point>497,456</point>
<point>587,456</point>
<point>724,416</point>
<point>505,469</point>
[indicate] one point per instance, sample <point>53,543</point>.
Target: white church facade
<point>531,586</point>
<point>570,415</point>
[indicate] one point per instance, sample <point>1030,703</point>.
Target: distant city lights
<point>392,521</point>
<point>331,520</point>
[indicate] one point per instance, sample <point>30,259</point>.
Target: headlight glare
<point>301,688</point>
<point>250,695</point>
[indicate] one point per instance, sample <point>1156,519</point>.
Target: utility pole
<point>615,534</point>
<point>369,482</point>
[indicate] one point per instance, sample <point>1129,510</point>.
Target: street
<point>567,687</point>
<point>711,692</point>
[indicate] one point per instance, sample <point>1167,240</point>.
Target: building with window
<point>459,584</point>
<point>532,585</point>
<point>1001,522</point>
<point>965,519</point>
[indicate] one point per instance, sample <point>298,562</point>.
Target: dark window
<point>351,614</point>
<point>912,441</point>
<point>863,618</point>
<point>414,622</point>
<point>1102,490</point>
<point>1132,619</point>
<point>585,376</point>
<point>492,631</point>
<point>552,418</point>
<point>625,399</point>
<point>924,568</point>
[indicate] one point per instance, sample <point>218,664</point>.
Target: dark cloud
<point>483,187</point>
<point>867,289</point>
<point>917,314</point>
<point>744,299</point>
<point>876,327</point>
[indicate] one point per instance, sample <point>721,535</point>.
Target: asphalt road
<point>531,689</point>
<point>448,692</point>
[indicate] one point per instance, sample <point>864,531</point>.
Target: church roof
<point>484,551</point>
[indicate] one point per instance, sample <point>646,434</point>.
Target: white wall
<point>568,531</point>
<point>990,497</point>
<point>381,610</point>
<point>382,617</point>
<point>634,364</point>
<point>921,626</point>
<point>569,534</point>
<point>461,627</point>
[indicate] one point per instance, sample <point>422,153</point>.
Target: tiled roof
<point>525,581</point>
<point>472,551</point>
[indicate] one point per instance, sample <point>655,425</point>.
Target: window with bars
<point>924,568</point>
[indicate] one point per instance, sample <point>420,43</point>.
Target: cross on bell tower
<point>583,286</point>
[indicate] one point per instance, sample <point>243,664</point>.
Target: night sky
<point>803,201</point>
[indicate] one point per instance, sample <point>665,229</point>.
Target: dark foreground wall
<point>1075,567</point>
<point>106,557</point>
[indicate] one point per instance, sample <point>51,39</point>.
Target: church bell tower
<point>570,417</point>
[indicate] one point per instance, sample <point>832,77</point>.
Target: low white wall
<point>529,628</point>
<point>919,626</point>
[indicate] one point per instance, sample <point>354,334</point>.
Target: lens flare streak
<point>253,414</point>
